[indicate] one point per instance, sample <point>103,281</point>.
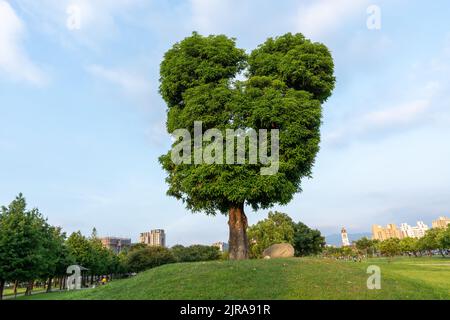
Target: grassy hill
<point>298,278</point>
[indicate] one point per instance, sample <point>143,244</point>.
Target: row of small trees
<point>32,250</point>
<point>280,228</point>
<point>436,240</point>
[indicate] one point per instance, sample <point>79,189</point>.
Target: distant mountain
<point>335,239</point>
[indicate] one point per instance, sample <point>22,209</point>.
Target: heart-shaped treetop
<point>285,81</point>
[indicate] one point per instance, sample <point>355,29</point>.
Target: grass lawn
<point>296,278</point>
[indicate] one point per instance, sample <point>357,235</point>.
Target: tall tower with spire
<point>344,236</point>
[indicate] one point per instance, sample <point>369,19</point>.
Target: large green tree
<point>286,81</point>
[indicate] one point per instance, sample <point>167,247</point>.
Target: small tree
<point>23,253</point>
<point>366,246</point>
<point>445,238</point>
<point>81,249</point>
<point>307,241</point>
<point>277,228</point>
<point>56,254</point>
<point>409,245</point>
<point>432,241</point>
<point>390,247</point>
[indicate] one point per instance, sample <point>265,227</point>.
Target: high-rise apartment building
<point>391,231</point>
<point>417,231</point>
<point>116,244</point>
<point>154,238</point>
<point>441,222</point>
<point>420,229</point>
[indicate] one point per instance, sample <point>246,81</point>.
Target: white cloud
<point>130,82</point>
<point>399,116</point>
<point>421,98</point>
<point>14,61</point>
<point>320,17</point>
<point>98,18</point>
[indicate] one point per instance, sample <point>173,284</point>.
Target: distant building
<point>405,230</point>
<point>344,236</point>
<point>420,229</point>
<point>413,232</point>
<point>223,246</point>
<point>441,222</point>
<point>380,233</point>
<point>116,244</point>
<point>154,238</point>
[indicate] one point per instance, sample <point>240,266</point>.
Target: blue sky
<point>82,123</point>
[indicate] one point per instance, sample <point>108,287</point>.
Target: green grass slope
<point>297,278</point>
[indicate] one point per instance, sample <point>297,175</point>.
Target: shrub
<point>149,257</point>
<point>195,253</point>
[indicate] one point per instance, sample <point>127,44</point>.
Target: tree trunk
<point>2,286</point>
<point>49,285</point>
<point>29,288</point>
<point>16,284</point>
<point>64,282</point>
<point>238,244</point>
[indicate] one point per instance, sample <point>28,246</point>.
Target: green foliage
<point>307,241</point>
<point>137,246</point>
<point>390,247</point>
<point>277,228</point>
<point>24,236</point>
<point>434,239</point>
<point>409,245</point>
<point>431,240</point>
<point>80,249</point>
<point>445,238</point>
<point>297,62</point>
<point>366,246</point>
<point>288,79</point>
<point>90,254</point>
<point>195,253</point>
<point>58,256</point>
<point>149,257</point>
<point>197,61</point>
